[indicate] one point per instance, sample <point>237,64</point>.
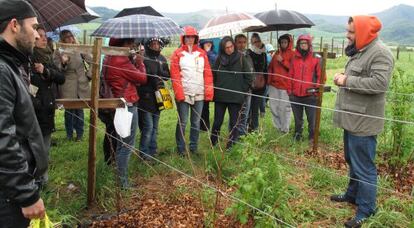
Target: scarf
<point>229,60</point>
<point>42,55</point>
<point>259,51</point>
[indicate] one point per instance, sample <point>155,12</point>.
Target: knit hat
<point>18,9</point>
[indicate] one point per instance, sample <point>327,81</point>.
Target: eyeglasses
<point>301,43</point>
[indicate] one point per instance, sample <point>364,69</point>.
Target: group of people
<point>235,79</point>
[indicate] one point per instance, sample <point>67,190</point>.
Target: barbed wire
<point>276,99</point>
<point>320,168</point>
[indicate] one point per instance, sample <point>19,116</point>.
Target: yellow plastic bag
<point>164,99</point>
<point>41,223</point>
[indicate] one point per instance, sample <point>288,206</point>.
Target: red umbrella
<point>54,13</point>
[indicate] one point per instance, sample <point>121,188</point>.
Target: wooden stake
<point>398,52</point>
<point>84,36</point>
<point>332,47</point>
<point>319,102</point>
<point>93,121</point>
<point>343,47</point>
<point>321,44</point>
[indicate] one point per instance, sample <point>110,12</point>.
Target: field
<point>267,180</point>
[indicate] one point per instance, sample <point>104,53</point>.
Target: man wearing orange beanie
<point>361,107</point>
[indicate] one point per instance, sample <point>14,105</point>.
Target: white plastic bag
<point>123,121</point>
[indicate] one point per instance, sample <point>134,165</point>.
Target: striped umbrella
<point>52,14</point>
<point>138,26</point>
<point>229,24</point>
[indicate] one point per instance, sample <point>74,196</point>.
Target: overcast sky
<point>326,7</point>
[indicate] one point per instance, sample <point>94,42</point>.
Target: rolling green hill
<point>398,23</point>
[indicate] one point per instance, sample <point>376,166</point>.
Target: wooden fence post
<point>343,47</point>
<point>319,102</point>
<point>332,47</point>
<point>321,44</point>
<point>93,121</point>
<point>84,36</point>
<point>398,52</point>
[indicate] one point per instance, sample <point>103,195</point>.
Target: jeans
<point>125,147</point>
<point>109,142</point>
<point>149,131</point>
<point>360,156</point>
<point>262,106</point>
<point>298,114</point>
<point>183,111</point>
<point>254,113</point>
<point>234,114</point>
<point>74,119</point>
<point>11,215</point>
<point>280,109</point>
<point>205,117</point>
<point>244,115</point>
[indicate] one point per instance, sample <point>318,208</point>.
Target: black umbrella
<point>52,14</point>
<point>281,20</point>
<point>146,10</point>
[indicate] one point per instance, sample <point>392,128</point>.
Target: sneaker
<point>354,223</point>
<point>342,198</point>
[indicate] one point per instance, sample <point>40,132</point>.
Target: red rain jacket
<point>177,69</point>
<point>305,73</point>
<point>279,71</point>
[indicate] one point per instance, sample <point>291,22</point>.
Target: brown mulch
<point>158,206</point>
<point>154,213</point>
<point>402,178</point>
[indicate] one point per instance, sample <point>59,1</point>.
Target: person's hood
<point>150,52</point>
<point>366,30</point>
<point>289,38</point>
<point>225,59</point>
<point>189,31</point>
<point>269,48</point>
<point>306,37</point>
<point>204,41</point>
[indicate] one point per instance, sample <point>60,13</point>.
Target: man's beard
<point>351,50</point>
<point>23,44</point>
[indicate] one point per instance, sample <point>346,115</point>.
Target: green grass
<point>306,188</point>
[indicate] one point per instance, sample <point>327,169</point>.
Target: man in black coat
<point>22,154</point>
